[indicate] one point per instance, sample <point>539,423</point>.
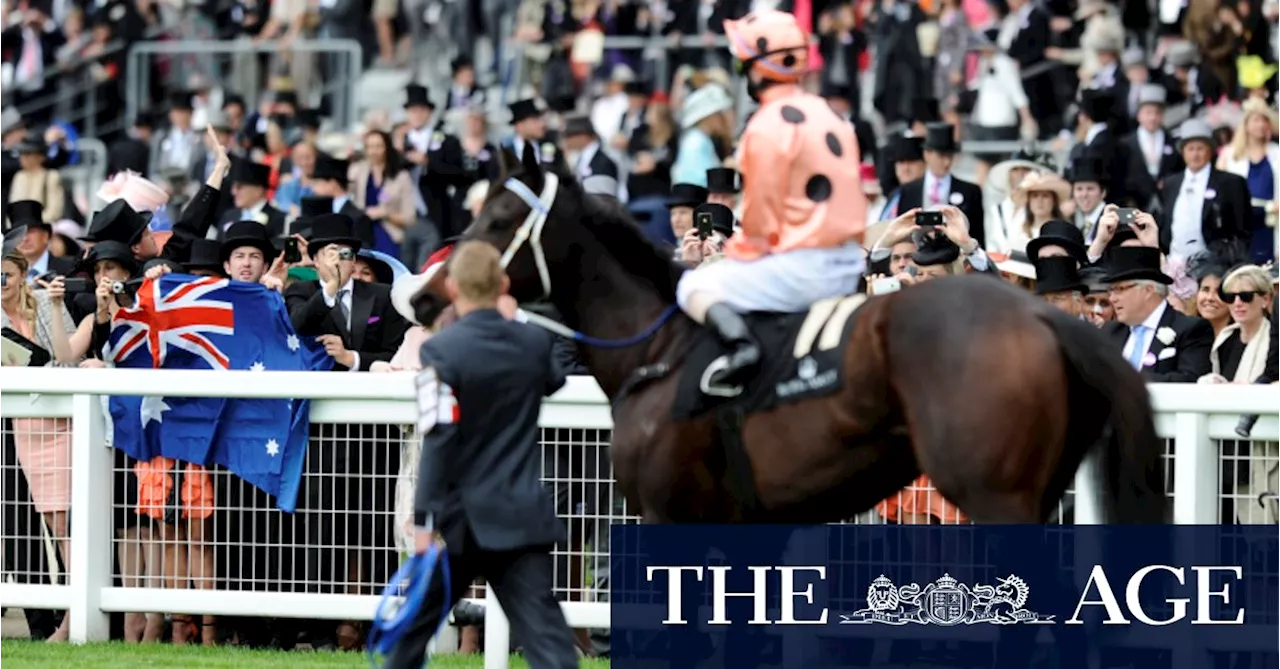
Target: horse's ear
<point>507,162</point>
<point>532,168</point>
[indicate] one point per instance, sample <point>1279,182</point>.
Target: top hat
<point>578,124</point>
<point>1137,263</point>
<point>933,248</point>
<point>109,250</point>
<point>903,148</point>
<point>247,233</point>
<point>1056,274</point>
<point>1152,94</point>
<point>33,145</point>
<point>925,110</point>
<point>329,229</point>
<point>180,101</point>
<point>638,87</point>
<point>462,63</point>
<point>29,213</point>
<point>416,95</point>
<point>941,137</point>
<point>1097,103</point>
<point>330,168</point>
<point>12,238</point>
<point>11,119</point>
<point>285,98</point>
<point>314,205</point>
<point>1063,234</point>
<point>523,109</point>
<point>144,119</point>
<point>308,119</point>
<point>1195,129</point>
<point>686,195</point>
<point>1089,169</point>
<point>1091,276</point>
<point>723,180</point>
<point>229,99</point>
<point>721,217</point>
<point>205,254</point>
<point>838,91</point>
<point>251,173</point>
<point>117,222</point>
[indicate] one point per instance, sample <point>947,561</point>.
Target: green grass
<point>18,653</point>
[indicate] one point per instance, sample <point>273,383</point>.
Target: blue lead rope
<point>389,628</point>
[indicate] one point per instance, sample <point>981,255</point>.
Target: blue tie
<point>1139,349</point>
<point>32,275</point>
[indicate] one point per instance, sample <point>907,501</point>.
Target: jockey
<point>803,211</point>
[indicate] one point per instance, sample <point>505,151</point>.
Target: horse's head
<point>521,218</point>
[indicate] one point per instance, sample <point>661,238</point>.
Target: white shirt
<point>1087,221</point>
<point>1105,77</point>
<point>607,114</point>
<point>419,139</point>
<point>179,145</point>
<point>1094,130</point>
<point>332,300</point>
<point>517,143</point>
<point>1152,323</point>
<point>339,202</point>
<point>1000,93</point>
<point>38,268</point>
<point>1188,214</point>
<point>943,186</point>
<point>250,214</point>
<point>1152,146</point>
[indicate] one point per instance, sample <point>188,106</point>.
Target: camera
<point>118,287</point>
<point>346,254</point>
<point>929,219</point>
<point>885,285</point>
<point>1127,215</point>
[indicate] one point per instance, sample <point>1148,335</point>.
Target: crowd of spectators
<point>1157,224</point>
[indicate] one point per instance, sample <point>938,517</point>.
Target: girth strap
<point>741,478</point>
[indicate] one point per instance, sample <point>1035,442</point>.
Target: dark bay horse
<point>996,396</point>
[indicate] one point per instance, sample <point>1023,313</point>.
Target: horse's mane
<point>609,223</point>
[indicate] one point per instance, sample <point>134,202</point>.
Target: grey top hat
<point>1194,129</point>
<point>1152,94</point>
<point>10,119</point>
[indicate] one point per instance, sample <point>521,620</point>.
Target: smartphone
<point>929,219</point>
<point>291,252</point>
<point>75,284</point>
<point>703,224</point>
<point>1127,215</point>
<point>912,270</point>
<point>885,285</point>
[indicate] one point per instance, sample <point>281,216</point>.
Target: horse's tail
<point>1109,406</point>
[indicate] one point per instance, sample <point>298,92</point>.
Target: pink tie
<point>30,55</point>
<point>934,193</point>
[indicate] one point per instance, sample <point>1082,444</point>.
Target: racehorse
<point>996,396</point>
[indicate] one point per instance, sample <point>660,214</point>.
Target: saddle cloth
<point>801,358</point>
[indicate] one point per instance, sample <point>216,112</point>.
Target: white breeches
<point>786,282</point>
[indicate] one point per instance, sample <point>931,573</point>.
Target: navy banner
<point>945,596</point>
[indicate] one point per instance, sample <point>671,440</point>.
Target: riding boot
<point>744,353</point>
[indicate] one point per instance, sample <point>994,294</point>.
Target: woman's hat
<point>12,238</point>
<point>109,250</point>
<point>1056,274</point>
<point>1195,129</point>
<point>1041,182</point>
<point>723,180</point>
<point>686,195</point>
<point>29,213</point>
<point>523,109</point>
<point>117,222</point>
<point>1028,158</point>
<point>139,192</point>
<point>417,96</point>
<point>205,254</point>
<point>707,101</point>
<point>1092,278</point>
<point>941,137</point>
<point>1259,106</point>
<point>1063,234</point>
<point>247,233</point>
<point>1139,263</point>
<point>721,217</point>
<point>329,229</point>
<point>386,269</point>
<point>406,287</point>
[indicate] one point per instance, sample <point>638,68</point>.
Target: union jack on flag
<point>179,315</point>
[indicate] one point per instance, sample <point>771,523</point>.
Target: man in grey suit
<point>479,395</point>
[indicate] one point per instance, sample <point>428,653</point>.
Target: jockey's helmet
<point>771,44</point>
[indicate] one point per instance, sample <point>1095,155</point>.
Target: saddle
<point>801,358</point>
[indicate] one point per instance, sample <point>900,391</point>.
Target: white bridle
<point>531,229</point>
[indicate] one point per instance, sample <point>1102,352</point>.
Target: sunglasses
<point>1245,296</point>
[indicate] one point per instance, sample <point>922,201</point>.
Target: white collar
<point>1202,175</point>
<point>338,202</point>
<point>1094,130</point>
<point>1093,215</point>
<point>1152,321</point>
<point>585,158</point>
<point>257,208</point>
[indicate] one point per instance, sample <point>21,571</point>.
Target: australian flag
<point>182,322</point>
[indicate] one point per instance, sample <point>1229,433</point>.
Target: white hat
<point>407,286</point>
<point>706,101</point>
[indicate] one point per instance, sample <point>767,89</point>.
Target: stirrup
<point>707,388</point>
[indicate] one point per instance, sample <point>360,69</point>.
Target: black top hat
<point>1136,263</point>
<point>523,109</point>
<point>1060,233</point>
<point>1056,274</point>
<point>941,137</point>
<point>461,63</point>
<point>563,104</point>
<point>1089,169</point>
<point>315,205</point>
<point>251,173</point>
<point>285,98</point>
<point>1097,103</point>
<point>925,110</point>
<point>109,250</point>
<point>33,145</point>
<point>722,180</point>
<point>904,148</point>
<point>417,95</point>
<point>933,248</point>
<point>144,119</point>
<point>181,101</point>
<point>117,222</point>
<point>205,254</point>
<point>638,87</point>
<point>29,213</point>
<point>330,168</point>
<point>329,229</point>
<point>686,195</point>
<point>247,233</point>
<point>840,91</point>
<point>229,99</point>
<point>12,238</point>
<point>1092,278</point>
<point>308,119</point>
<point>721,217</point>
<point>578,124</point>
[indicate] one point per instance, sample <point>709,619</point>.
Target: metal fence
<point>225,550</point>
<point>323,69</point>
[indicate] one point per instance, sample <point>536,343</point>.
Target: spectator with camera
<point>704,242</point>
<point>942,244</point>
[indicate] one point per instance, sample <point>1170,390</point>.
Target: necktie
<point>1139,348</point>
<point>342,307</point>
<point>32,274</point>
<point>30,65</point>
<point>934,192</point>
<point>1153,155</point>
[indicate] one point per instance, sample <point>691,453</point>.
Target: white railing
<point>1195,420</point>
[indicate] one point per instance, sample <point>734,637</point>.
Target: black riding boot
<point>744,354</point>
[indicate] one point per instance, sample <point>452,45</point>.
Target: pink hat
<point>141,194</point>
